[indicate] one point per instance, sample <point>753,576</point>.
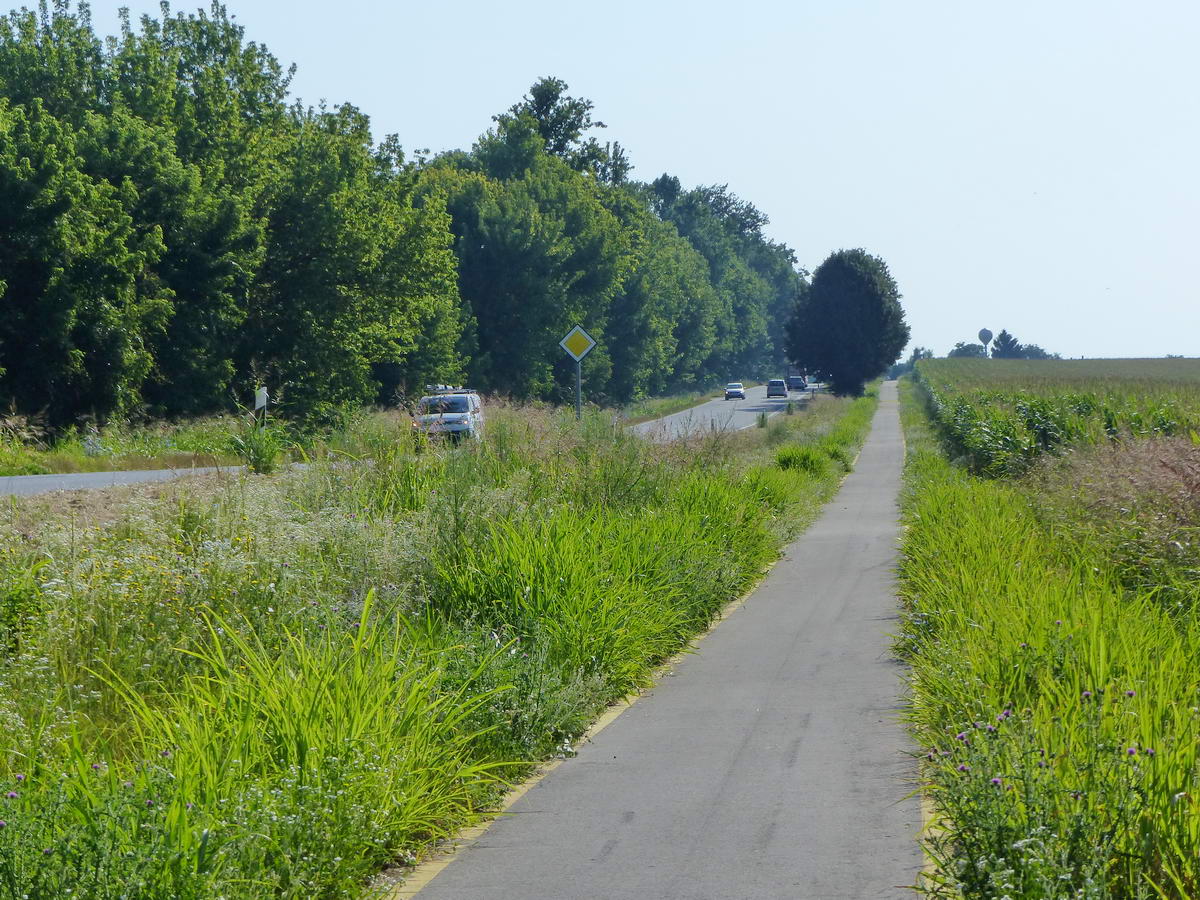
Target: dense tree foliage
<point>970,350</point>
<point>849,325</point>
<point>174,231</point>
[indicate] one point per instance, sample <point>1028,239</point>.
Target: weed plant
<point>259,445</point>
<point>276,686</point>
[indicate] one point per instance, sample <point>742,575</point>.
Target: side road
<point>84,481</point>
<point>771,765</point>
<point>717,415</point>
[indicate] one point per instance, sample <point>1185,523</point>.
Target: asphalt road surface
<point>718,415</point>
<point>771,765</point>
<point>80,481</point>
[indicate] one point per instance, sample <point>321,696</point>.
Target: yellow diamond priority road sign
<point>578,343</point>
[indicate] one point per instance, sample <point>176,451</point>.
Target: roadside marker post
<point>578,344</point>
<point>260,403</point>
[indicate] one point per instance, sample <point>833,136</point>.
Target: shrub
<point>804,458</point>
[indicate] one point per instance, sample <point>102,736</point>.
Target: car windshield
<point>733,386</point>
<point>435,406</point>
<point>775,382</point>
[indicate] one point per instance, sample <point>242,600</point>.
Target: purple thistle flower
<point>1058,621</point>
<point>1129,693</point>
<point>1149,751</point>
<point>20,777</point>
<point>127,784</point>
<point>3,824</point>
<point>963,767</point>
<point>997,781</point>
<point>47,852</point>
<point>962,736</point>
<point>1132,751</point>
<point>189,805</point>
<point>991,729</point>
<point>11,795</point>
<point>1024,645</point>
<point>1087,695</point>
<point>149,803</point>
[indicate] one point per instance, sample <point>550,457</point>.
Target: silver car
<point>456,413</point>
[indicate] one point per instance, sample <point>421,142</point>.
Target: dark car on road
<point>797,383</point>
<point>776,387</point>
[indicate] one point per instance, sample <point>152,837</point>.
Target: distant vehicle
<point>776,387</point>
<point>735,391</point>
<point>454,412</point>
<point>797,383</point>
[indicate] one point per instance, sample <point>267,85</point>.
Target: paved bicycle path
<point>772,765</point>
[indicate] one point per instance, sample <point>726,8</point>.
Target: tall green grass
<point>1059,710</point>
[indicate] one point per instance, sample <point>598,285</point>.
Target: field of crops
<point>1001,415</point>
<point>275,686</point>
<point>1052,623</point>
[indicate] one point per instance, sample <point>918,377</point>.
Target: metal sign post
<point>578,344</point>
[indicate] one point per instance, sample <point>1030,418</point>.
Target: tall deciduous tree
<point>353,272</point>
<point>850,325</point>
<point>538,252</point>
<point>563,122</point>
<point>75,328</point>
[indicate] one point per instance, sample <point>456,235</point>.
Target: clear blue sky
<point>1026,165</point>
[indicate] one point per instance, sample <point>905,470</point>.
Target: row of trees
<point>1004,346</point>
<point>173,231</point>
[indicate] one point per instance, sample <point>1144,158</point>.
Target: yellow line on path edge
<point>429,868</point>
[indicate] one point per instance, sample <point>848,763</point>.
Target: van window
<point>436,406</point>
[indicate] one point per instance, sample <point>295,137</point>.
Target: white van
<point>457,412</point>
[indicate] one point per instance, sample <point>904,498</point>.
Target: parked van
<point>456,412</point>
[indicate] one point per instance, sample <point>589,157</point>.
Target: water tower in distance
<point>985,338</point>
